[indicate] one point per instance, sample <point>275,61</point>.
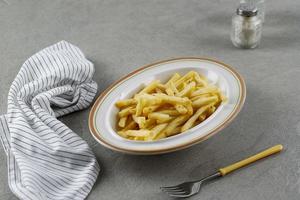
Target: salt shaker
<point>246,27</point>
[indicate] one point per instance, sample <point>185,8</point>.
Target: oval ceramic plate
<point>102,119</point>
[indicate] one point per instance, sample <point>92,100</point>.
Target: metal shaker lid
<point>247,10</point>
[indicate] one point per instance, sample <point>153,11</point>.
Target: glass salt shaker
<point>246,27</point>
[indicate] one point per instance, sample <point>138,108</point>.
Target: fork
<point>191,188</point>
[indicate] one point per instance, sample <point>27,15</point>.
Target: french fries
<point>162,110</point>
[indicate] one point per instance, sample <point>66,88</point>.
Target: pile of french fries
<point>162,110</point>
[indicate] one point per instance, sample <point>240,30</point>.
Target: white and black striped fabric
<point>46,159</point>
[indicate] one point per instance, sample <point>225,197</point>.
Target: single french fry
<point>159,116</point>
<point>125,103</point>
<point>130,126</point>
<point>150,99</point>
<point>194,118</point>
<point>173,87</point>
<point>122,122</point>
<point>184,78</point>
<point>137,133</point>
<point>204,101</point>
<point>155,131</point>
<point>160,86</point>
<point>174,78</point>
<point>139,106</point>
<point>126,111</point>
<point>175,131</point>
<point>122,134</point>
<point>199,80</point>
<point>171,99</point>
<point>150,87</point>
<point>175,123</point>
<point>169,112</point>
<point>150,109</point>
<point>161,121</point>
<point>187,89</point>
<point>161,135</point>
<point>200,96</point>
<point>204,90</point>
<point>189,108</point>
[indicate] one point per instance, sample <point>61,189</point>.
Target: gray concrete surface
<point>121,35</point>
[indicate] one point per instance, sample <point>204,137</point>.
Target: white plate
<point>102,119</point>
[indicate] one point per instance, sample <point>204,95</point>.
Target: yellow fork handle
<point>247,161</point>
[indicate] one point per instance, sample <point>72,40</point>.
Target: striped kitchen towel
<point>46,159</point>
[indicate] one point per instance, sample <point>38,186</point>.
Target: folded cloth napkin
<point>46,159</point>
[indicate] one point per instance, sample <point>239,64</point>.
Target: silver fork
<point>191,188</point>
<point>188,189</point>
